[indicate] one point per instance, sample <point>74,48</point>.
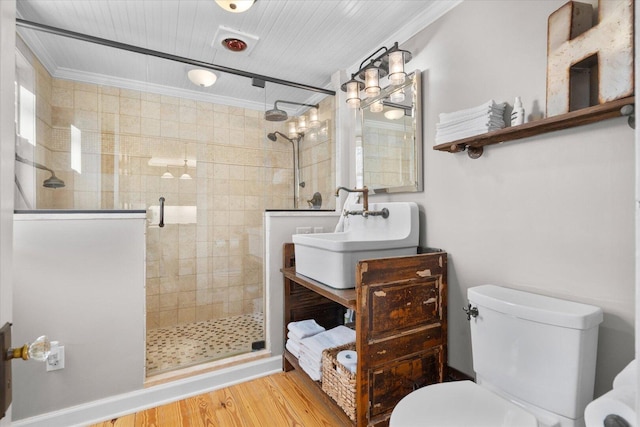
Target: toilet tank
<point>534,349</point>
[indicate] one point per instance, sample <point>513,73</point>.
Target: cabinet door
<point>390,383</point>
<point>401,330</point>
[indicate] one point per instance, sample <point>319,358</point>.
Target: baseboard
<point>127,403</point>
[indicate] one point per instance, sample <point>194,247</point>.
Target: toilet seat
<point>457,404</point>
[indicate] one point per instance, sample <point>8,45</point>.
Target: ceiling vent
<point>234,41</point>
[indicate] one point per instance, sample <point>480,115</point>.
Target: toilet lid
<point>457,404</point>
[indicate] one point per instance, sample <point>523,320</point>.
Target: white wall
<point>79,279</point>
<point>278,229</point>
<point>7,125</point>
<point>552,214</point>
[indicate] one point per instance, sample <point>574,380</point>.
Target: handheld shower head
<point>274,136</point>
<point>278,115</point>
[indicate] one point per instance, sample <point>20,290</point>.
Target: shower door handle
<point>161,224</point>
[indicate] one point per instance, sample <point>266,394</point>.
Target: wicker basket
<point>338,382</point>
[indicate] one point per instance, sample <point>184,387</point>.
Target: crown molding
<point>431,14</point>
<point>102,79</point>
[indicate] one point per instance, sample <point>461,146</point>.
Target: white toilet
<point>534,358</point>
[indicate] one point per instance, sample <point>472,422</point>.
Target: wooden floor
<point>282,399</point>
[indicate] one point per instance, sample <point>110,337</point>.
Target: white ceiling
<point>303,41</point>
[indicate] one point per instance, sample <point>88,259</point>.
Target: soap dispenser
<point>517,115</point>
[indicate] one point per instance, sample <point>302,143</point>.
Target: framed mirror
<point>389,139</point>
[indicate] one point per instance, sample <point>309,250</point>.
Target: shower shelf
<point>581,117</point>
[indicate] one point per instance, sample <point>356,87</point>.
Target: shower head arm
<point>32,163</point>
<point>284,136</point>
<point>275,105</point>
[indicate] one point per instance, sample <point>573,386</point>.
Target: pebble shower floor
<point>187,345</point>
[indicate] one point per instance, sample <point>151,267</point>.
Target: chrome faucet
<point>365,212</point>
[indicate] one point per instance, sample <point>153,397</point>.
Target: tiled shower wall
<point>206,263</point>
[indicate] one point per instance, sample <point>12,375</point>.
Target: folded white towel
<point>484,121</point>
<point>313,372</point>
<point>491,112</point>
<point>445,117</point>
<point>293,347</point>
<point>441,139</point>
<point>312,347</point>
<point>304,329</point>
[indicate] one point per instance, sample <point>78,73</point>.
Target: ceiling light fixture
<point>390,61</point>
<point>235,6</point>
<point>167,174</point>
<point>202,78</point>
<point>394,114</point>
<point>185,174</point>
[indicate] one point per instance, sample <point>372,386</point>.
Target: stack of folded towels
<point>470,122</point>
<point>298,331</point>
<point>311,348</point>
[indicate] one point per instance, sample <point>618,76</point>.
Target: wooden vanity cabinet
<point>401,325</point>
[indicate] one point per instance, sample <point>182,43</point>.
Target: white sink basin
<point>331,258</point>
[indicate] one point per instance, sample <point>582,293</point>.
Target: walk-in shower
<point>204,283</point>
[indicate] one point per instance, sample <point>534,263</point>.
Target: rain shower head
<point>278,115</point>
<point>275,115</point>
<point>52,182</point>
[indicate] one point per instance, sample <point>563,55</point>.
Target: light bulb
<point>397,96</point>
<point>396,67</point>
<point>372,81</point>
<point>302,124</point>
<point>314,123</point>
<point>353,93</point>
<point>376,107</point>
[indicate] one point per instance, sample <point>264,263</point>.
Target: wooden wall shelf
<point>581,117</point>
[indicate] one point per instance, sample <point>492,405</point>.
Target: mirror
<point>389,139</point>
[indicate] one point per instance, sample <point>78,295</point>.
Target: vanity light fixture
<point>235,6</point>
<point>202,78</point>
<point>391,61</point>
